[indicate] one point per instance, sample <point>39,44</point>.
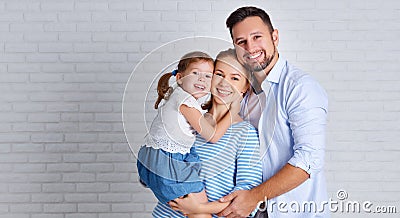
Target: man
<point>291,122</point>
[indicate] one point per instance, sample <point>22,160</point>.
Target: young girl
<point>167,163</point>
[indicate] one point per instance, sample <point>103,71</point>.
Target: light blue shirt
<point>290,115</point>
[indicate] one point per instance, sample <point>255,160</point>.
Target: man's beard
<point>256,67</point>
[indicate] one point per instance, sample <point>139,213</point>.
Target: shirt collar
<point>275,73</point>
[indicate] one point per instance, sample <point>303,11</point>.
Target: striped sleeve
<point>248,161</point>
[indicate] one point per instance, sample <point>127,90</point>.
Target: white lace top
<point>169,130</point>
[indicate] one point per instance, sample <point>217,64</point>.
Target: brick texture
<point>64,66</point>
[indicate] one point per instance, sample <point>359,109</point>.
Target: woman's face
<point>227,83</point>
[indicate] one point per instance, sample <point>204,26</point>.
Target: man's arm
<point>245,201</point>
<point>307,111</point>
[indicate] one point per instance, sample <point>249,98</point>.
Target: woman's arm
<point>202,126</point>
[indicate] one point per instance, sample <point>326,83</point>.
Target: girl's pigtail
<point>163,89</point>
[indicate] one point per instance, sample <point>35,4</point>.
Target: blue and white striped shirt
<point>233,163</point>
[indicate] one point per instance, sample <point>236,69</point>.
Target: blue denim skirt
<point>169,175</point>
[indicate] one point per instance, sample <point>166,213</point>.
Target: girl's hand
<point>187,205</point>
<point>235,105</point>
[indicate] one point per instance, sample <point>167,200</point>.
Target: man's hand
<point>243,203</point>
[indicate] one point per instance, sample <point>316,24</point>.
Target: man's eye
<point>240,42</point>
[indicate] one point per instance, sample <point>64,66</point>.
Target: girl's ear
<point>178,78</point>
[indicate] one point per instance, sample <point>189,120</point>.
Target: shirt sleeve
<point>187,99</point>
<point>307,107</point>
<point>248,162</point>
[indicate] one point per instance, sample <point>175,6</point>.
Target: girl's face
<point>227,83</point>
<point>196,79</point>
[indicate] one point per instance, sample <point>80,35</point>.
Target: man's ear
<point>275,37</point>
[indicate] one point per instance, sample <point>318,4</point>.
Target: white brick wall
<point>64,65</point>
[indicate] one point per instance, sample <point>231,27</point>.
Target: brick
<point>60,187</point>
<point>117,197</point>
<point>80,137</point>
<point>42,58</point>
<point>22,27</point>
<point>79,198</point>
<point>124,207</point>
<point>90,47</point>
<point>112,177</point>
<point>11,17</point>
<point>95,148</point>
<point>125,6</point>
<point>78,177</point>
<point>109,17</point>
<point>32,148</point>
<point>29,168</point>
<point>61,148</point>
<point>40,17</point>
<point>59,208</point>
<point>21,47</point>
<point>93,27</point>
<point>23,6</point>
<point>114,215</point>
<point>74,16</point>
<point>118,27</point>
<point>45,158</point>
<point>55,47</point>
<point>74,37</point>
<point>109,37</point>
<point>93,207</point>
<point>91,6</point>
<point>24,188</point>
<point>79,158</point>
<point>63,167</point>
<point>60,27</point>
<point>25,208</point>
<point>92,187</point>
<point>97,167</point>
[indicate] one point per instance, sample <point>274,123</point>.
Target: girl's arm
<point>190,205</point>
<point>203,127</point>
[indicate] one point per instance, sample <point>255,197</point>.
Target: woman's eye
<point>235,78</point>
<point>219,74</point>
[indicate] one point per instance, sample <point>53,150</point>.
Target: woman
<point>233,162</point>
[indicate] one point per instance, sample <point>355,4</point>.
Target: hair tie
<point>174,72</point>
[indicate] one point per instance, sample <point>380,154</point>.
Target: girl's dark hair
<point>164,90</point>
<point>242,13</point>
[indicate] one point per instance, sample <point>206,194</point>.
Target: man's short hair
<point>242,13</point>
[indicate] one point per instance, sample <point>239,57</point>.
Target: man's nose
<point>249,45</point>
